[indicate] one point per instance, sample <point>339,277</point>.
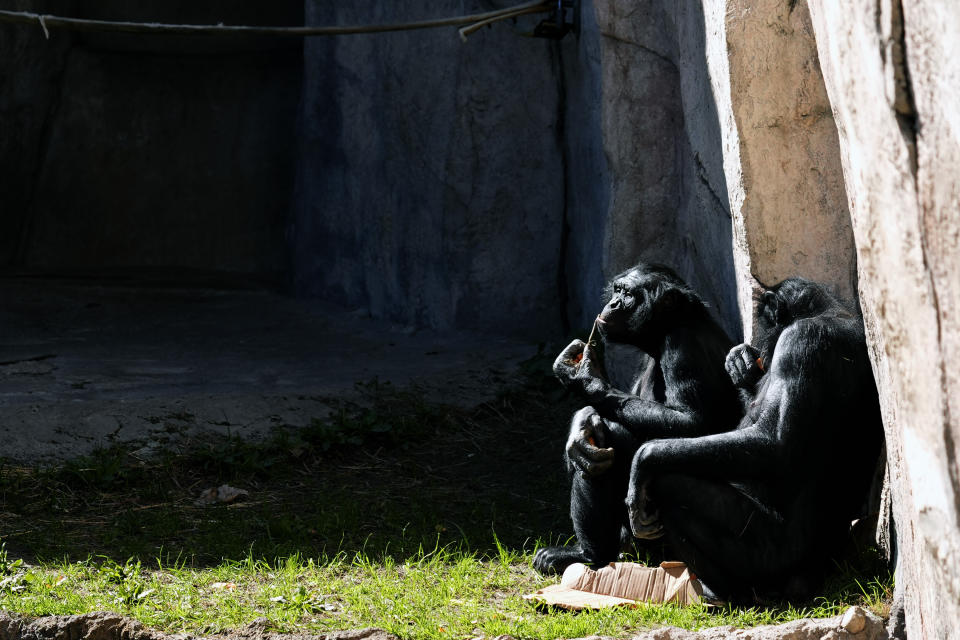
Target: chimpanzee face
<point>624,316</point>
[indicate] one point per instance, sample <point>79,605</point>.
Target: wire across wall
<point>468,24</point>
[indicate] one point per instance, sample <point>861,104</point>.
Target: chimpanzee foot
<point>644,522</point>
<point>643,515</point>
<point>553,560</point>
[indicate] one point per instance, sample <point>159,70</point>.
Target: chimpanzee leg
<point>731,541</point>
<point>597,510</point>
<point>599,514</point>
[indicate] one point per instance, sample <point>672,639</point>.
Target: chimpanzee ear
<point>772,308</point>
<point>669,299</point>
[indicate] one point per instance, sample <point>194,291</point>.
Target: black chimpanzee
<point>683,392</point>
<point>759,510</point>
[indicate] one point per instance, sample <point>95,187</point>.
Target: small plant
<point>126,579</point>
<point>8,566</point>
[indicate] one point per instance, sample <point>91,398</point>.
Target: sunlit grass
<point>440,593</point>
<point>417,518</point>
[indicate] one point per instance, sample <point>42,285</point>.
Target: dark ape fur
<point>684,392</point>
<point>758,511</point>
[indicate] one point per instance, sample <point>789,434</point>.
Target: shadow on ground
<point>396,475</point>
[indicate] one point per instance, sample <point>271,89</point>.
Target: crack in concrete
<point>45,356</point>
<point>702,176</point>
<point>653,52</point>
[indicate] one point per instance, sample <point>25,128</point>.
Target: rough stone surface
<point>790,211</point>
<point>854,619</point>
<point>644,153</point>
<point>91,626</point>
<point>110,626</point>
<point>431,183</point>
<point>894,83</point>
<point>805,629</point>
<point>500,195</point>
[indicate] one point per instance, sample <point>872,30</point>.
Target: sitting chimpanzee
<point>758,511</point>
<point>683,392</point>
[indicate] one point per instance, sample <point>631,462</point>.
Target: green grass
<point>440,593</point>
<point>410,516</point>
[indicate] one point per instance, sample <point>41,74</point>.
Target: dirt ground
<point>855,624</point>
<point>86,363</point>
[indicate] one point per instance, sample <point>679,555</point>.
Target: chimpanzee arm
<point>771,436</point>
<point>679,415</point>
<point>762,447</point>
<point>646,418</point>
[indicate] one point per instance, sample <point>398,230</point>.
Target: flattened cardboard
<point>621,583</point>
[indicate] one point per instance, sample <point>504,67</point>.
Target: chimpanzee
<point>684,391</point>
<point>757,512</point>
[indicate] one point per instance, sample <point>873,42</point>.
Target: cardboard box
<point>621,583</point>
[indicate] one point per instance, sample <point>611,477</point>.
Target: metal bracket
<point>565,18</point>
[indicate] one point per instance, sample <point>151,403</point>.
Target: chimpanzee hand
<point>585,445</point>
<point>743,366</point>
<point>582,375</point>
<point>644,516</point>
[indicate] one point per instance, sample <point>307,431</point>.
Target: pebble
<point>853,620</point>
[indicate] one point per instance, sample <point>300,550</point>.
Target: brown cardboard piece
<point>621,583</point>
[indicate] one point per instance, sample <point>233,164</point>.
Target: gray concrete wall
<point>150,151</point>
<point>490,185</point>
<point>431,181</point>
<point>30,72</point>
<point>639,97</point>
<point>498,184</point>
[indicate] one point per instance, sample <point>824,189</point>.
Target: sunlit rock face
<point>893,76</point>
<point>791,214</point>
<point>830,135</point>
<point>722,156</point>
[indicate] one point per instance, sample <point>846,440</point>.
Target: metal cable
<point>472,22</point>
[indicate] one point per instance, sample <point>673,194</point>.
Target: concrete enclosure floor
<point>88,363</point>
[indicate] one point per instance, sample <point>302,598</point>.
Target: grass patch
<point>415,517</point>
<point>441,593</point>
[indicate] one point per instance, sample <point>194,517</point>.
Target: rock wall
<point>893,75</point>
<point>652,114</point>
<point>505,200</point>
<point>132,151</point>
<point>789,201</point>
<point>431,183</point>
<point>721,154</point>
